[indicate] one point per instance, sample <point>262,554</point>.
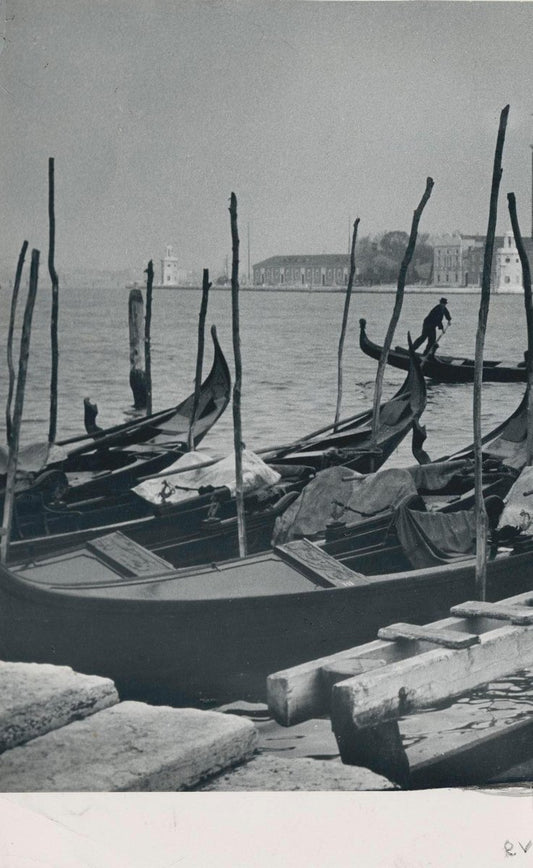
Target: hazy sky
<point>155,110</point>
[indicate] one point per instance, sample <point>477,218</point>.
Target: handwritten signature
<point>517,849</point>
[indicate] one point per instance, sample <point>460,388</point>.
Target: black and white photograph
<point>266,430</point>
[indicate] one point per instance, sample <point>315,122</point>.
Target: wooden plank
<point>131,558</point>
<point>296,694</point>
<point>412,632</point>
<point>516,614</point>
<point>319,565</point>
<point>438,675</point>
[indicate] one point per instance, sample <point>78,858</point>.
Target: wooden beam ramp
<point>407,670</point>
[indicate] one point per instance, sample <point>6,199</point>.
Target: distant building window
<point>507,259</point>
<point>507,279</point>
<point>456,277</point>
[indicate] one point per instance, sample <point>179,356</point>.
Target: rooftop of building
<point>302,259</point>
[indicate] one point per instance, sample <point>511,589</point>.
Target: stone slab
<point>274,773</point>
<point>36,698</point>
<point>129,747</point>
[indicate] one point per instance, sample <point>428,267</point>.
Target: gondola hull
<point>445,369</point>
<point>181,640</point>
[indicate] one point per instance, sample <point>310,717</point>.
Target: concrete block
<point>274,773</point>
<point>130,747</point>
<point>36,698</point>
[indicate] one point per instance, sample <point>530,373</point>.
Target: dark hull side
<point>443,371</point>
<point>203,651</point>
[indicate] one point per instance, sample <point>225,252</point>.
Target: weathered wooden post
<point>55,304</point>
<point>18,408</point>
<point>410,249</point>
<point>10,365</point>
<point>528,303</point>
<point>199,355</point>
<point>136,327</point>
<point>147,337</point>
<point>481,513</point>
<point>237,427</point>
<point>345,321</point>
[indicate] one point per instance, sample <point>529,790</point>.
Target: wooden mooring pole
<point>11,329</point>
<point>136,330</point>
<point>481,513</point>
<point>398,302</point>
<point>147,336</point>
<point>345,322</point>
<point>206,286</point>
<point>18,408</point>
<point>528,303</point>
<point>237,427</point>
<point>55,304</point>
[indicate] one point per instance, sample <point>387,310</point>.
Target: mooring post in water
<point>345,322</point>
<point>402,276</point>
<point>528,303</point>
<point>481,513</point>
<point>147,336</point>
<point>11,329</point>
<point>237,428</point>
<point>55,304</point>
<point>18,408</point>
<point>136,326</point>
<point>206,286</point>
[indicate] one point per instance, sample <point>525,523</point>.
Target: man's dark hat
<point>444,301</point>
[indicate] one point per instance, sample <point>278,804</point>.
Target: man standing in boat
<point>431,323</point>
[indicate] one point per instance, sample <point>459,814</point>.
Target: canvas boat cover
<point>33,457</point>
<point>177,487</point>
<point>430,539</point>
<point>437,475</point>
<point>518,509</point>
<point>338,493</point>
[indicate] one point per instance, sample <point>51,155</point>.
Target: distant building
<point>326,269</point>
<point>508,267</point>
<point>171,274</point>
<point>458,260</point>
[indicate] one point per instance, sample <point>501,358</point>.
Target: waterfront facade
<point>171,274</point>
<point>507,264</point>
<point>320,270</point>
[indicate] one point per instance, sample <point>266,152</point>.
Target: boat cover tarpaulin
<point>341,494</point>
<point>34,457</point>
<point>437,475</point>
<point>518,509</point>
<point>177,487</point>
<point>429,539</point>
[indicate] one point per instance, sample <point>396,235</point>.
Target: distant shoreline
<point>386,289</point>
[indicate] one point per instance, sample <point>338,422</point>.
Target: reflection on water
<point>495,705</point>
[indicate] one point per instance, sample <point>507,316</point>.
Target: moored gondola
<point>443,368</point>
<point>205,523</point>
<point>214,633</point>
<point>113,459</point>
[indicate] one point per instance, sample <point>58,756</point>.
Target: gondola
<point>351,441</point>
<point>114,458</point>
<point>203,527</point>
<point>373,543</point>
<point>213,633</point>
<point>445,369</point>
